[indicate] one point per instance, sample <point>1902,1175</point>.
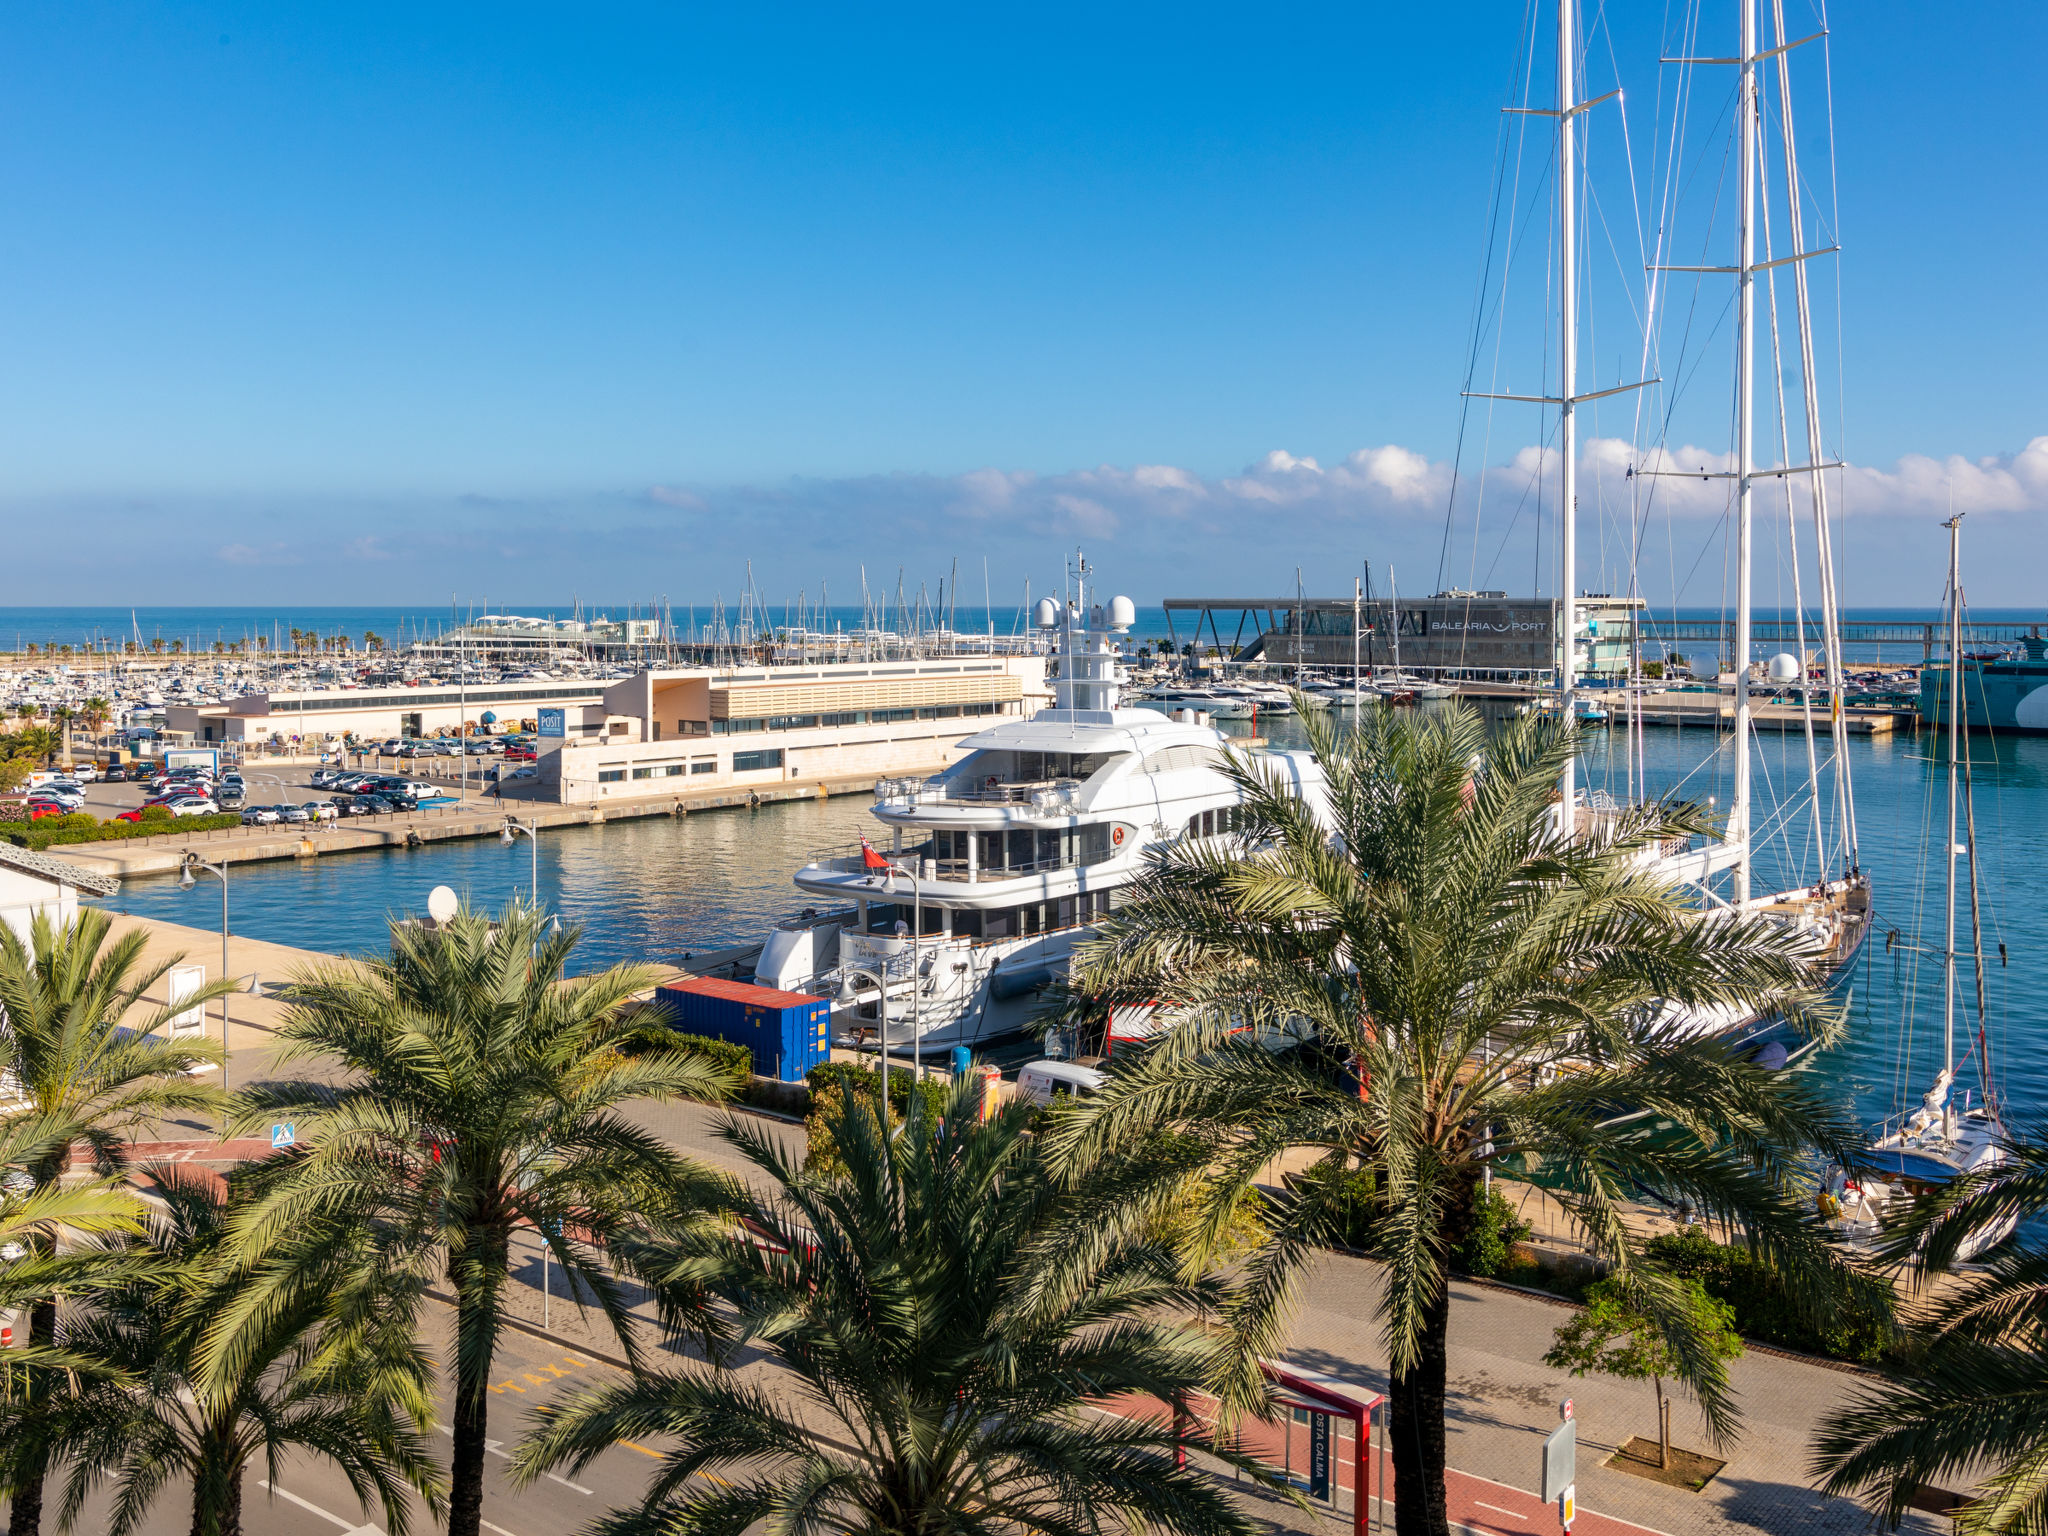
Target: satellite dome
<point>1047,614</point>
<point>1785,668</point>
<point>1123,613</point>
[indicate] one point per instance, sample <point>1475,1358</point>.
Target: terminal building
<point>376,713</point>
<point>1474,635</point>
<point>686,730</point>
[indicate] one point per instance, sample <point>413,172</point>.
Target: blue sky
<point>383,302</point>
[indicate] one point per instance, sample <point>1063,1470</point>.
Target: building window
<point>890,716</point>
<point>674,770</point>
<point>792,722</point>
<point>844,717</point>
<point>704,765</point>
<point>610,775</point>
<point>754,762</point>
<point>643,773</point>
<point>693,727</point>
<point>737,727</point>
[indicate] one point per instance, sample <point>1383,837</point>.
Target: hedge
<point>54,830</point>
<point>1763,1310</point>
<point>727,1053</point>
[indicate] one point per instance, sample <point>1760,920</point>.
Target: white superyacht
<point>1003,863</point>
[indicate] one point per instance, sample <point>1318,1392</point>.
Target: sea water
<point>660,889</point>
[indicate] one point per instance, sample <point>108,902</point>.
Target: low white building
<point>374,713</point>
<point>32,884</point>
<point>688,730</point>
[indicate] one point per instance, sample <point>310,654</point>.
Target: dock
<point>163,853</point>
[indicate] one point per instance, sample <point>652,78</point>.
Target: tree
<point>349,1388</point>
<point>479,1096</point>
<point>1434,984</point>
<point>1967,1402</point>
<point>90,1077</point>
<point>96,712</point>
<point>38,742</point>
<point>944,1340</point>
<point>1610,1337</point>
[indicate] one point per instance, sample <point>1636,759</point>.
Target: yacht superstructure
<point>994,871</point>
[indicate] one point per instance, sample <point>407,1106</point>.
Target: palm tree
<point>1435,985</point>
<point>943,1350</point>
<point>480,1096</point>
<point>96,711</point>
<point>38,742</point>
<point>1968,1398</point>
<point>351,1389</point>
<point>89,1076</point>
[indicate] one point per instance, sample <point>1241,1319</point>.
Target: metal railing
<point>1040,797</point>
<point>851,859</point>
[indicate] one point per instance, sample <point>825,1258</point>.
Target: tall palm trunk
<point>476,1302</point>
<point>1415,1426</point>
<point>217,1488</point>
<point>25,1508</point>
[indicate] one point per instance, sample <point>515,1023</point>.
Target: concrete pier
<point>162,854</point>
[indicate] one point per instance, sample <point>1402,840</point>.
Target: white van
<point>1039,1082</point>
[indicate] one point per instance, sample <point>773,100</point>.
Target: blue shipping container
<point>788,1032</point>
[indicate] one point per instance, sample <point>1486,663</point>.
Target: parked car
<point>134,815</point>
<point>530,771</point>
<point>355,807</point>
<point>85,773</point>
<point>378,805</point>
<point>38,809</point>
<point>324,778</point>
<point>118,774</point>
<point>70,796</point>
<point>320,810</point>
<point>521,755</point>
<point>295,814</point>
<point>194,806</point>
<point>260,816</point>
<point>230,799</point>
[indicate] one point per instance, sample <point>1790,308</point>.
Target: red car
<point>521,755</point>
<point>38,809</point>
<point>135,815</point>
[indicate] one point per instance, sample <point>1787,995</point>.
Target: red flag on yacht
<point>869,858</point>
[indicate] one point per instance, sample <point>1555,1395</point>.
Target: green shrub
<point>1495,1231</point>
<point>78,827</point>
<point>727,1053</point>
<point>831,1081</point>
<point>1763,1310</point>
<point>1354,1206</point>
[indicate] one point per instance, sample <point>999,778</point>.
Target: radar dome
<point>1785,668</point>
<point>1047,614</point>
<point>1123,613</point>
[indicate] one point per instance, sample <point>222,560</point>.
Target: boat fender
<point>1004,985</point>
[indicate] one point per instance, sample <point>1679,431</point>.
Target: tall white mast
<point>1955,742</point>
<point>1568,366</point>
<point>1745,338</point>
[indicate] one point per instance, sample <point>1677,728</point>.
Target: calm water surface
<point>658,889</point>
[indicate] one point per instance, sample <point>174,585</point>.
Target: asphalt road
<point>311,1496</point>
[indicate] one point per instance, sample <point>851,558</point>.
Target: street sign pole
<point>1561,1466</point>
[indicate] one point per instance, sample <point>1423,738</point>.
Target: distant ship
<point>2002,690</point>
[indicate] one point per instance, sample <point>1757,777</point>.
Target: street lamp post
<point>531,829</point>
<point>186,880</point>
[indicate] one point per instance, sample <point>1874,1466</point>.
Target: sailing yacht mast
<point>1568,381</point>
<point>1745,450</point>
<point>1955,738</point>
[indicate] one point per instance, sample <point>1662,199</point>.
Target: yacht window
<point>967,924</point>
<point>1000,925</point>
<point>1049,849</point>
<point>1208,823</point>
<point>1020,844</point>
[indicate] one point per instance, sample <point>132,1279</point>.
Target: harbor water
<point>661,889</point>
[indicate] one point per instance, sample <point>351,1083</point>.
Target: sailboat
<point>1833,913</point>
<point>1937,1141</point>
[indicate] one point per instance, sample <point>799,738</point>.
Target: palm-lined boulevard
<point>1428,993</point>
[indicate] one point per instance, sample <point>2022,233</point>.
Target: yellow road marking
<point>629,1445</point>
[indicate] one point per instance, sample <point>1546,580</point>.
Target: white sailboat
<point>1833,913</point>
<point>1937,1141</point>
